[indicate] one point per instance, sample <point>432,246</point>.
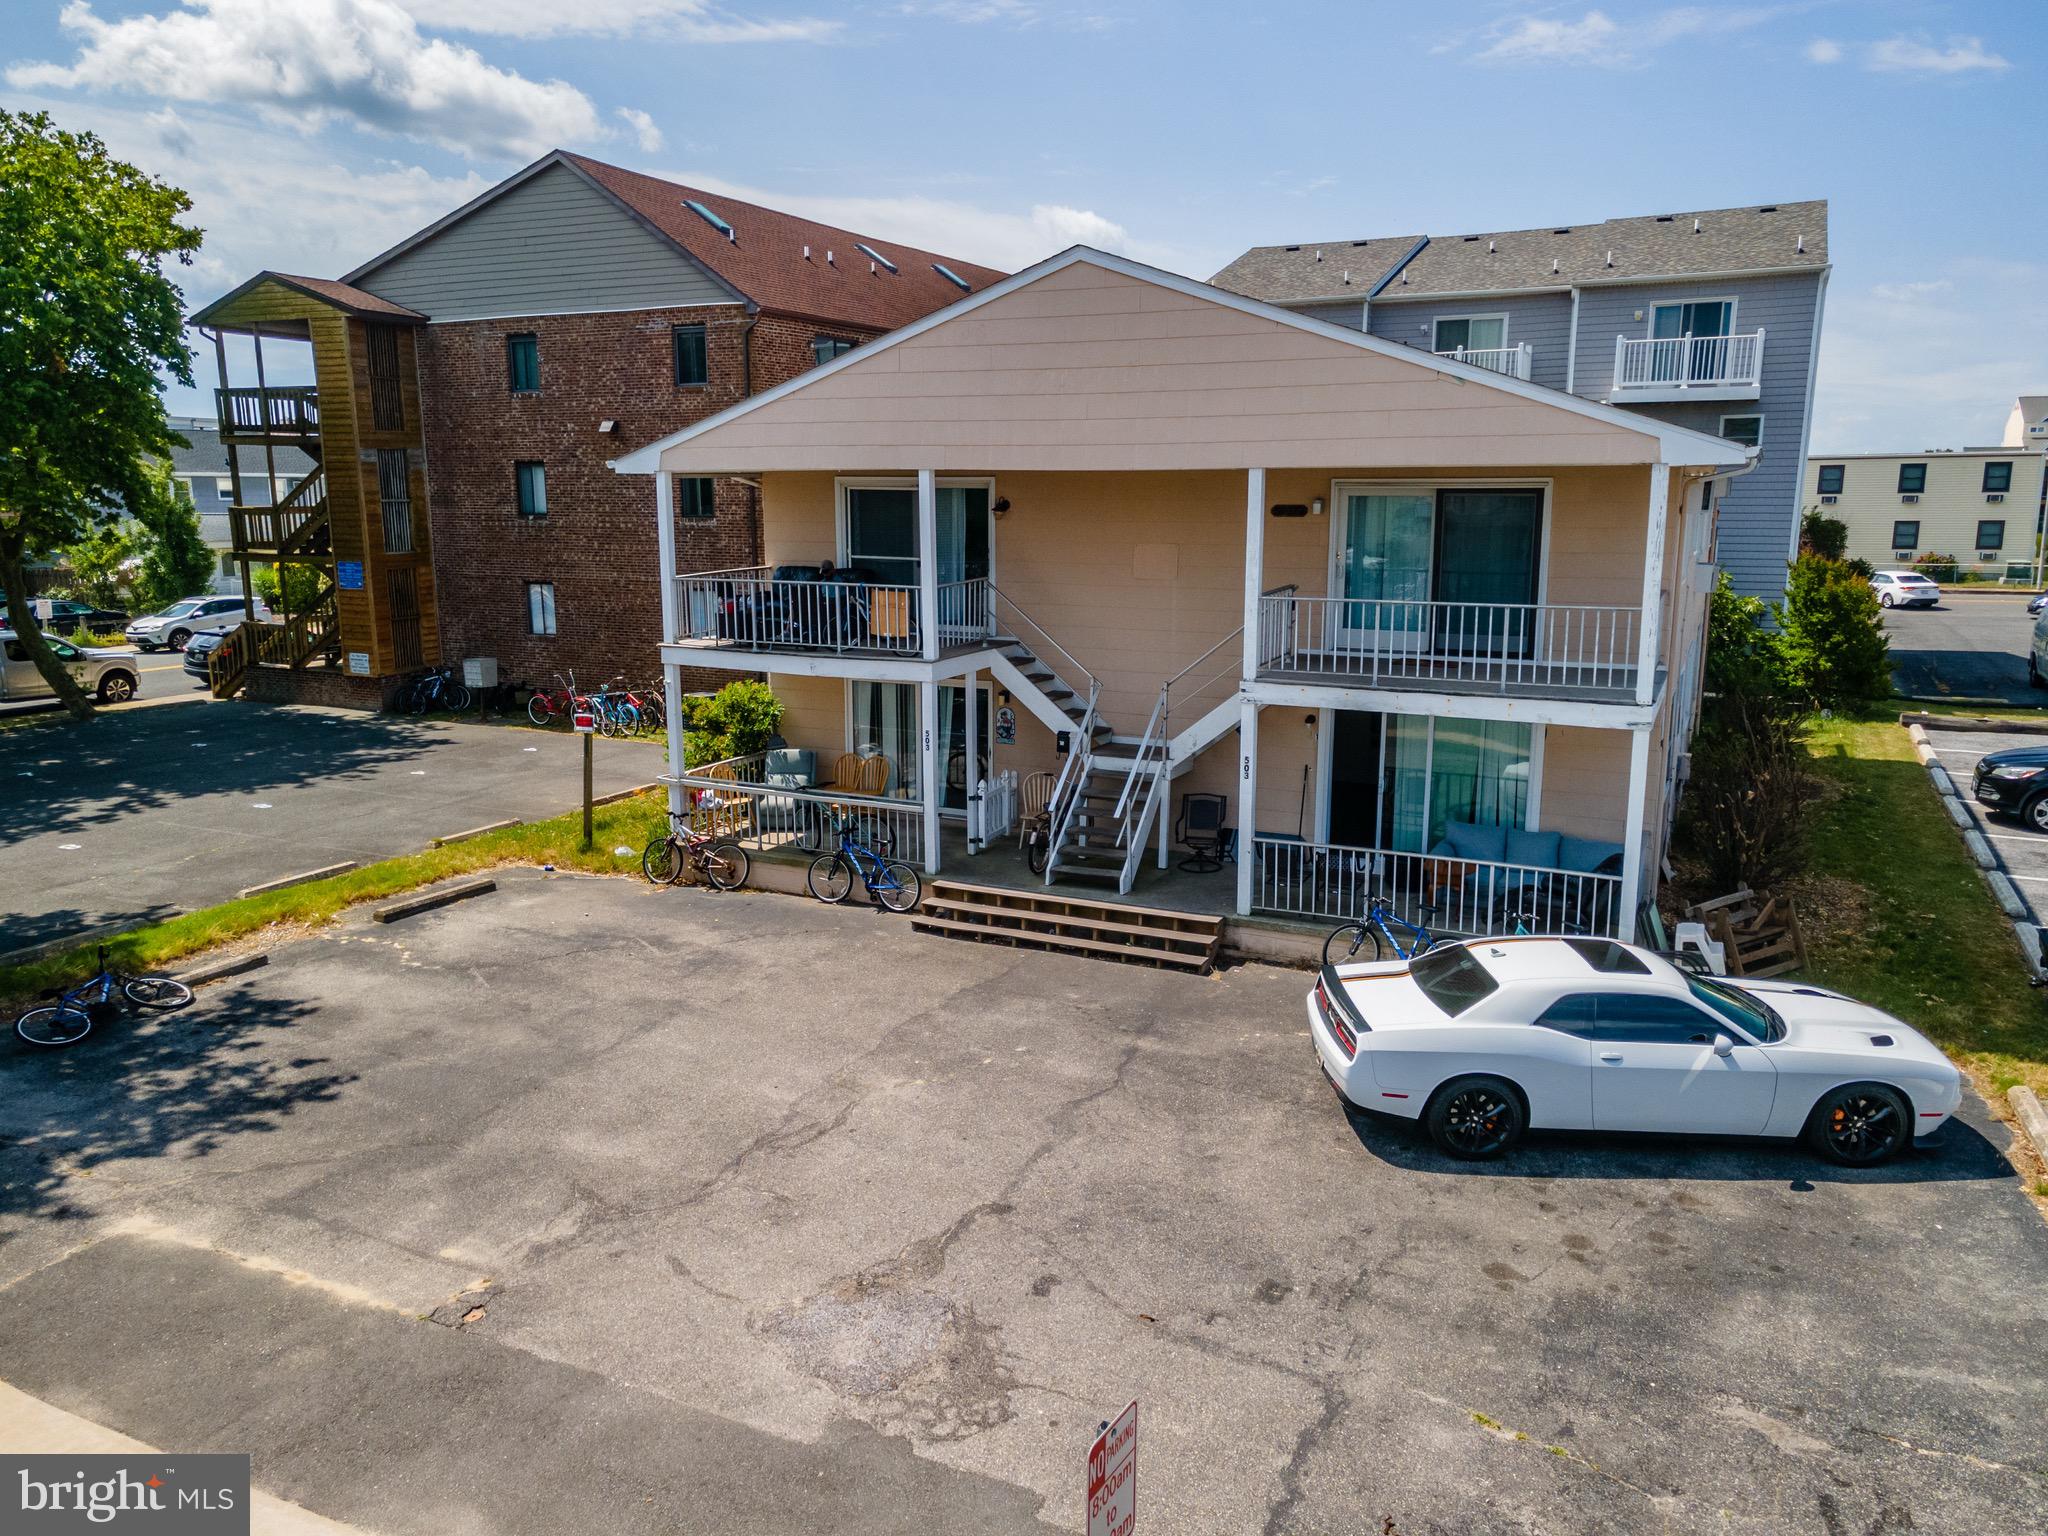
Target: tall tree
<point>175,559</point>
<point>88,319</point>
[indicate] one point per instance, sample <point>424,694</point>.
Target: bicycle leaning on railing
<point>890,882</point>
<point>722,862</point>
<point>1382,930</point>
<point>71,1017</point>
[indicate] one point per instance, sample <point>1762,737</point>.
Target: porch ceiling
<point>1093,363</point>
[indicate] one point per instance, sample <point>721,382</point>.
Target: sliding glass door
<point>1448,571</point>
<point>881,532</point>
<point>1385,570</point>
<point>1487,543</point>
<point>1707,323</point>
<point>885,725</point>
<point>1397,781</point>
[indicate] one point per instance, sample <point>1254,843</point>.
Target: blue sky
<point>313,133</point>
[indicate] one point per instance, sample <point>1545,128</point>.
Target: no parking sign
<point>1113,1476</point>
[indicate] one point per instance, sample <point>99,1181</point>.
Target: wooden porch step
<point>1186,941</point>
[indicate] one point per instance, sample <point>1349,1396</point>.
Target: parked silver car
<point>173,626</point>
<point>112,672</point>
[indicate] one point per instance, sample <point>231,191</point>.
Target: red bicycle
<point>549,705</point>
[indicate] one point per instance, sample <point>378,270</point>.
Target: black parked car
<point>198,651</point>
<point>2015,781</point>
<point>69,618</point>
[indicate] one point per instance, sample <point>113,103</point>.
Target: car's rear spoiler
<point>1340,999</point>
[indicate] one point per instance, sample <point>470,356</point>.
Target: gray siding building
<point>1709,320</point>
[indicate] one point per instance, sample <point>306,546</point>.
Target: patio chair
<point>1033,799</point>
<point>871,776</point>
<point>1199,829</point>
<point>845,771</point>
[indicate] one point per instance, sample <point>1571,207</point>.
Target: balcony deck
<point>1463,675</point>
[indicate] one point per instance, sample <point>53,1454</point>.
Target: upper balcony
<point>1666,368</point>
<point>788,610</point>
<point>280,413</point>
<point>1515,362</point>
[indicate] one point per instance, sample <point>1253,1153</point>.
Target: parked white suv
<point>190,616</point>
<point>111,672</point>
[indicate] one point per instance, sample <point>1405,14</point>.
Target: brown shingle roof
<point>342,295</point>
<point>1713,240</point>
<point>765,261</point>
<point>1292,274</point>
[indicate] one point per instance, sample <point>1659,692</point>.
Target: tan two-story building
<point>1167,558</point>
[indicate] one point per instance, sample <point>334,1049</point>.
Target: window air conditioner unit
<point>1909,500</point>
<point>1902,556</point>
<point>1829,501</point>
<point>1987,557</point>
<point>1995,496</point>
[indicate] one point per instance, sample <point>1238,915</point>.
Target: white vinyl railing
<point>748,608</point>
<point>1500,646</point>
<point>1513,361</point>
<point>1068,787</point>
<point>730,799</point>
<point>1688,362</point>
<point>1444,894</point>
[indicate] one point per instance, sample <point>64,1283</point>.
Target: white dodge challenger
<point>1484,1039</point>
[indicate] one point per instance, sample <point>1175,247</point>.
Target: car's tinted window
<point>16,651</point>
<point>1452,978</point>
<point>1652,1020</point>
<point>1606,955</point>
<point>1748,1013</point>
<point>1573,1014</point>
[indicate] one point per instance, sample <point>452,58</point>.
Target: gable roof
<point>1327,270</point>
<point>963,433</point>
<point>342,296</point>
<point>764,260</point>
<point>1717,241</point>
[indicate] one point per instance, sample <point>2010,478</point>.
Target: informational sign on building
<point>359,663</point>
<point>1113,1476</point>
<point>1006,727</point>
<point>348,575</point>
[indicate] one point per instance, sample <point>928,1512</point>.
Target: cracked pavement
<point>586,1206</point>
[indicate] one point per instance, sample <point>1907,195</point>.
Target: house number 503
<point>1247,765</point>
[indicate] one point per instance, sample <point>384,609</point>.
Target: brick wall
<point>597,543</point>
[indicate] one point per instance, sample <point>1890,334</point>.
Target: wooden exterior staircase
<point>304,638</point>
<point>1061,920</point>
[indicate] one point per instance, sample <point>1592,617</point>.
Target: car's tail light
<point>1334,1020</point>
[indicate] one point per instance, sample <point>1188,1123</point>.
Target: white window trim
<point>1733,301</point>
<point>845,483</point>
<point>1435,321</point>
<point>1334,562</point>
<point>1326,736</point>
<point>1756,416</point>
<point>533,589</point>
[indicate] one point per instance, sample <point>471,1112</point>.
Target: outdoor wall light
<point>1315,507</point>
<point>1002,505</point>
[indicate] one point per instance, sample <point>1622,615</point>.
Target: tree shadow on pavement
<point>173,1085</point>
<point>25,930</point>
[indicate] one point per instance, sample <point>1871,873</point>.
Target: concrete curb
<point>1929,758</point>
<point>1980,850</point>
<point>2007,893</point>
<point>1955,810</point>
<point>1942,782</point>
<point>2026,1108</point>
<point>1916,733</point>
<point>1978,723</point>
<point>624,794</point>
<point>447,895</point>
<point>50,947</point>
<point>323,873</point>
<point>463,837</point>
<point>2030,945</point>
<point>217,969</point>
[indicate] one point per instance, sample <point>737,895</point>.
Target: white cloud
<point>1968,341</point>
<point>692,20</point>
<point>1597,39</point>
<point>1824,50</point>
<point>307,63</point>
<point>1011,13</point>
<point>1909,55</point>
<point>645,134</point>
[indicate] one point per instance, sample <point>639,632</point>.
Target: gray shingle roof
<point>206,456</point>
<point>1290,274</point>
<point>1713,240</point>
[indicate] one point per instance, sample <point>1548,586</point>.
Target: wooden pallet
<point>1103,930</point>
<point>1761,935</point>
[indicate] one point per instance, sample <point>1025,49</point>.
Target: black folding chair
<point>1199,829</point>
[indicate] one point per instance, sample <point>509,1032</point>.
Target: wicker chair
<point>1032,801</point>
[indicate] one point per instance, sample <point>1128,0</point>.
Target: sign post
<point>1113,1476</point>
<point>586,727</point>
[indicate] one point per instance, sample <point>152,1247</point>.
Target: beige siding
<point>1948,510</point>
<point>1088,368</point>
<point>1585,781</point>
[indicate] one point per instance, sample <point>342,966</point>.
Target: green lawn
<point>627,824</point>
<point>1928,943</point>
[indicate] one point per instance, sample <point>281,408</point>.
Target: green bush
<point>300,586</point>
<point>1831,645</point>
<point>742,717</point>
<point>1936,567</point>
<point>1822,535</point>
<point>1742,650</point>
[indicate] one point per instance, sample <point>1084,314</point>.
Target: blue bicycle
<point>1382,929</point>
<point>71,1017</point>
<point>891,882</point>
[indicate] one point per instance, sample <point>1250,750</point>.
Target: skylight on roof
<point>708,217</point>
<point>874,255</point>
<point>950,276</point>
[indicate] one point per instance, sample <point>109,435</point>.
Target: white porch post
<point>1247,794</point>
<point>1637,811</point>
<point>1648,640</point>
<point>671,628</point>
<point>974,806</point>
<point>928,724</point>
<point>928,559</point>
<point>1254,564</point>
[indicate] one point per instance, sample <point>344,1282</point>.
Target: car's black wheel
<point>2035,813</point>
<point>2034,679</point>
<point>116,688</point>
<point>178,638</point>
<point>1859,1125</point>
<point>1884,599</point>
<point>1474,1117</point>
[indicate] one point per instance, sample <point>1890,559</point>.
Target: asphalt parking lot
<point>1969,647</point>
<point>2022,852</point>
<point>584,1206</point>
<point>148,811</point>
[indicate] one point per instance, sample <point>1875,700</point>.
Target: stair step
<point>1116,911</point>
<point>1109,950</point>
<point>1179,940</point>
<point>1185,941</point>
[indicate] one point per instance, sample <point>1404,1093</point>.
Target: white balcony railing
<point>1445,894</point>
<point>750,609</point>
<point>734,798</point>
<point>1499,647</point>
<point>1513,361</point>
<point>1677,366</point>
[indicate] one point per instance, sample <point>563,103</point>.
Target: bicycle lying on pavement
<point>71,1017</point>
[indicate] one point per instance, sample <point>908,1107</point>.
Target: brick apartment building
<point>570,314</point>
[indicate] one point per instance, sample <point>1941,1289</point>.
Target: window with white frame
<point>540,607</point>
<point>1470,333</point>
<point>1746,430</point>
